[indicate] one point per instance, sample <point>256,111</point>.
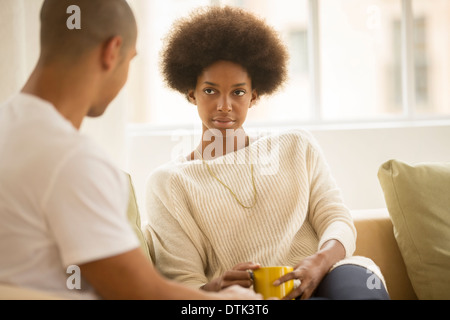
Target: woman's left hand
<point>309,272</point>
<point>313,269</point>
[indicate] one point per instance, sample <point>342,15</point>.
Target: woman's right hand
<point>239,275</point>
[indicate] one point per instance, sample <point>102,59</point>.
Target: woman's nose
<point>224,105</point>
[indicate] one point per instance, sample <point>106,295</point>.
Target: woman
<point>236,202</point>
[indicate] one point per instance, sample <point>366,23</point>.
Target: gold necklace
<point>228,188</point>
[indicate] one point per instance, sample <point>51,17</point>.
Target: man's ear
<point>191,97</point>
<point>111,52</point>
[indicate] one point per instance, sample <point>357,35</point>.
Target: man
<point>62,203</point>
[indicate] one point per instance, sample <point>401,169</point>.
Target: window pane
<point>432,56</point>
<point>361,61</point>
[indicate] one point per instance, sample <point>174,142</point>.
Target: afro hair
<point>215,33</point>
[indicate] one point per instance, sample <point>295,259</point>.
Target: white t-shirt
<point>62,202</point>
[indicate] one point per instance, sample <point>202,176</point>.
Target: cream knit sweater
<point>199,230</point>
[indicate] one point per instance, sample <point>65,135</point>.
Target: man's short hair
<point>100,21</point>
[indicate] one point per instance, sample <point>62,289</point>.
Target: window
<point>351,60</point>
<point>149,100</point>
<point>431,57</point>
<point>355,54</point>
<point>290,18</point>
<point>421,81</point>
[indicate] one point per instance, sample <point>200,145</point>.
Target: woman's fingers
<point>239,277</point>
<point>246,266</point>
<point>288,276</point>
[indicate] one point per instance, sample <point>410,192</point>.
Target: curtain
<point>19,39</point>
<point>19,32</point>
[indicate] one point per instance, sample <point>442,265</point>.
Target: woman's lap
<point>351,282</point>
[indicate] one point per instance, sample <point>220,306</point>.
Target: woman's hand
<point>313,269</point>
<point>239,275</point>
<point>310,272</point>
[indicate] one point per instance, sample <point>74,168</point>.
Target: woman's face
<point>223,96</point>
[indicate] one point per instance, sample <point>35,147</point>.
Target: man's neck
<point>67,89</point>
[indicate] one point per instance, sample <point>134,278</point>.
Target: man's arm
<point>130,276</point>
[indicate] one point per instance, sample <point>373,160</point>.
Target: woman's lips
<point>223,122</point>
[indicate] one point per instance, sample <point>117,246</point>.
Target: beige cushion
<point>135,219</point>
<point>376,241</point>
<point>417,197</point>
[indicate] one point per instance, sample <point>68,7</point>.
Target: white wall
<point>354,153</point>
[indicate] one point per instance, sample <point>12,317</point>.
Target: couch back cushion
<point>417,197</point>
<point>134,218</point>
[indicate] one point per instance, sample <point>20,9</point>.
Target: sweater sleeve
<point>327,212</point>
<point>178,251</point>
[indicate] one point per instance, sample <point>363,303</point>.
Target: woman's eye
<point>209,91</point>
<point>239,93</point>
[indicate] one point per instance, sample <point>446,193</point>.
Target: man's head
<point>107,28</point>
<point>101,20</point>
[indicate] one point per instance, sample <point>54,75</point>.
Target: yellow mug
<point>264,277</point>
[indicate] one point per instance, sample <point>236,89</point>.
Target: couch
<point>375,240</point>
<point>409,239</point>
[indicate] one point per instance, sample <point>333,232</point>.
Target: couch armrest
<point>376,241</point>
<point>10,292</point>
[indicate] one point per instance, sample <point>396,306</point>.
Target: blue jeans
<point>351,282</point>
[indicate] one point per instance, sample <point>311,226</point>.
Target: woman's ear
<point>191,97</point>
<point>255,98</point>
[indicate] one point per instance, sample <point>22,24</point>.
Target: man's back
<point>50,175</point>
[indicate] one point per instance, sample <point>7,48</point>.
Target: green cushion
<point>418,201</point>
<point>135,219</point>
